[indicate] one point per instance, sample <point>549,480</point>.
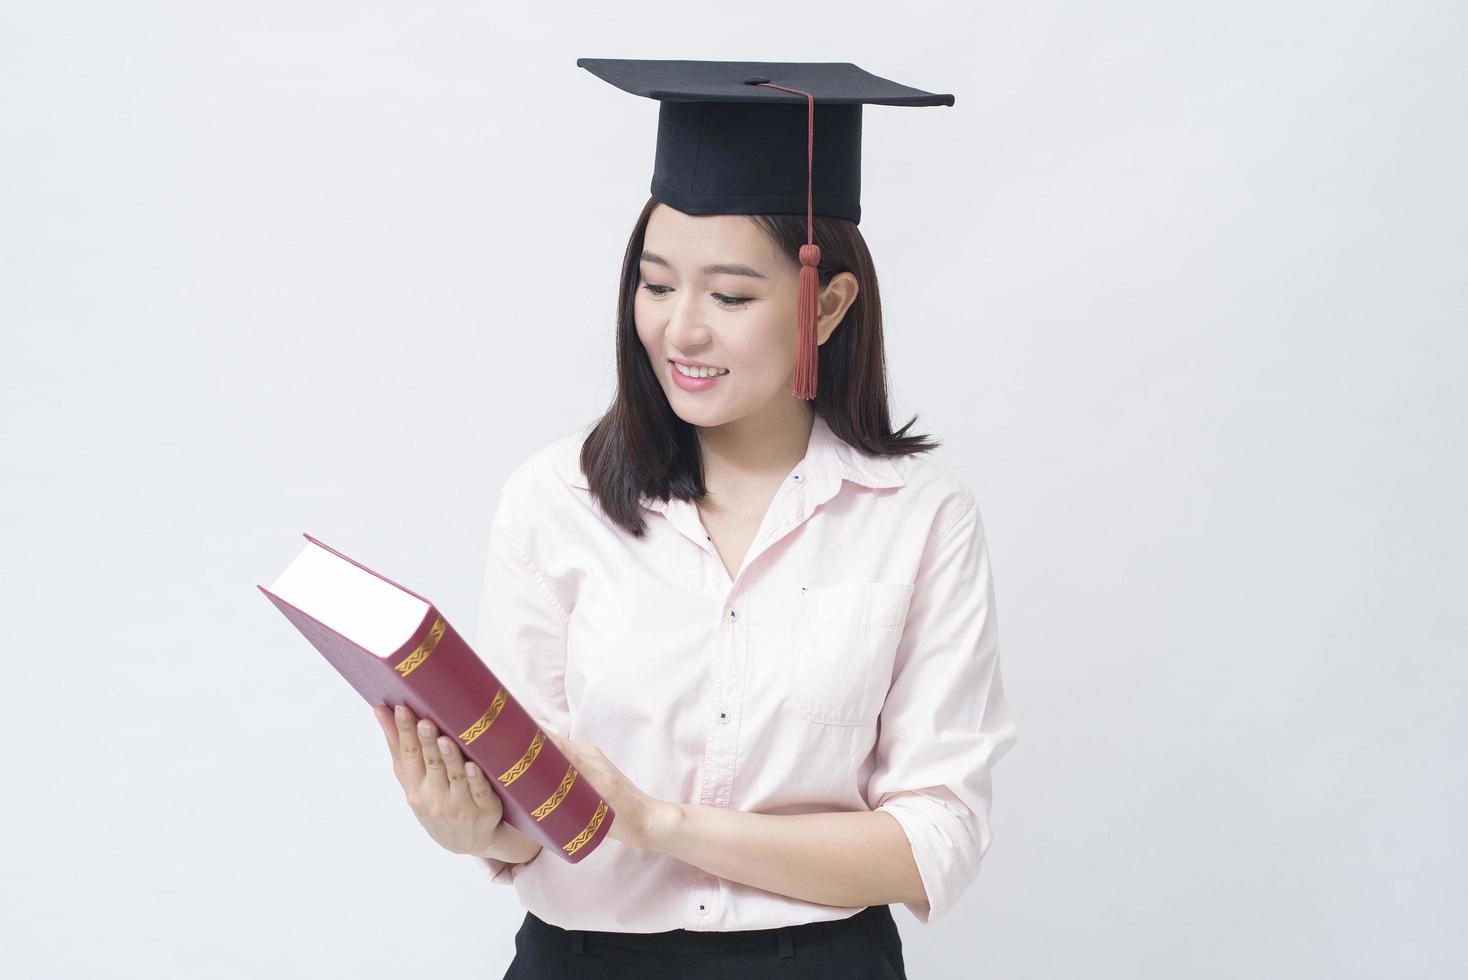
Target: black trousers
<point>865,946</point>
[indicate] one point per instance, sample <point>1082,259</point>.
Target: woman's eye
<point>733,302</point>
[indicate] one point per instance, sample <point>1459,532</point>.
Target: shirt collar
<point>828,460</point>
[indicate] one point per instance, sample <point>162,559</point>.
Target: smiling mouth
<point>698,373</point>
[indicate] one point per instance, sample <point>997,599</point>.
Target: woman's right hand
<point>449,796</point>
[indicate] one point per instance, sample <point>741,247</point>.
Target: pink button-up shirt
<point>852,663</point>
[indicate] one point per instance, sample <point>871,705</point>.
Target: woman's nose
<point>686,328</point>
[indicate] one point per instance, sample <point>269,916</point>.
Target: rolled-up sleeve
<point>521,631</point>
<point>945,722</point>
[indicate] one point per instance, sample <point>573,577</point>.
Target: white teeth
<point>699,372</point>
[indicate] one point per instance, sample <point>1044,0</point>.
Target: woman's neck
<point>744,459</point>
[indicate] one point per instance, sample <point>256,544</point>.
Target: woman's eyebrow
<point>728,269</point>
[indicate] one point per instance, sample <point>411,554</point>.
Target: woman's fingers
<point>410,752</point>
<point>435,778</point>
<point>451,797</point>
<point>437,762</point>
<point>453,767</point>
<point>481,791</point>
<point>467,784</point>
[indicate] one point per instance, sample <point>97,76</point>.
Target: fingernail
<point>401,713</point>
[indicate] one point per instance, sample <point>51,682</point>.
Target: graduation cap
<point>762,137</point>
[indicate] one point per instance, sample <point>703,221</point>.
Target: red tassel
<point>807,301</point>
<point>806,312</point>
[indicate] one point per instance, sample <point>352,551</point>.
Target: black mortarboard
<point>732,137</point>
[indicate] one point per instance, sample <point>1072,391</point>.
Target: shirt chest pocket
<point>844,639</point>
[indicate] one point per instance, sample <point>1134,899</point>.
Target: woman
<point>761,626</point>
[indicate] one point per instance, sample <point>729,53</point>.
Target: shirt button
<point>731,614</point>
<point>702,910</point>
<point>723,717</point>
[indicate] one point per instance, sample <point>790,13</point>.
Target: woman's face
<point>714,290</point>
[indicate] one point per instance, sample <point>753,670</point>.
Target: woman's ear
<point>835,300</point>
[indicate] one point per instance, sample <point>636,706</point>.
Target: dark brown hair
<point>641,446</point>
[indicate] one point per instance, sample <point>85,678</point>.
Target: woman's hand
<point>640,818</point>
<point>451,798</point>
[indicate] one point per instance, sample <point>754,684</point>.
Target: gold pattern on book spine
<point>482,723</point>
<point>576,843</point>
<point>415,659</point>
<point>549,806</point>
<point>519,768</point>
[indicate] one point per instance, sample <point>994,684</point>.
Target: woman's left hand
<point>638,815</point>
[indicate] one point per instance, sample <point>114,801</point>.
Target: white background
<point>1181,287</point>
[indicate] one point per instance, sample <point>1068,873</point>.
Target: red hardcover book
<point>395,647</point>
